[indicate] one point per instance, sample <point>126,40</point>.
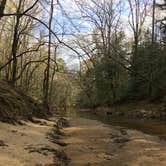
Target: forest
<point>123,68</point>
<point>82,82</point>
<point>117,49</point>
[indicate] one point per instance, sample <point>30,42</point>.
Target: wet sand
<point>92,143</point>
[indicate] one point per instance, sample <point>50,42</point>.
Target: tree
<point>15,43</point>
<point>137,17</point>
<point>46,83</point>
<point>162,7</point>
<point>102,79</point>
<point>2,8</point>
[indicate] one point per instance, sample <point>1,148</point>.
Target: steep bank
<point>91,143</point>
<point>27,139</point>
<point>30,144</point>
<point>15,104</point>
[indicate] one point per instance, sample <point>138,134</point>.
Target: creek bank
<point>37,143</point>
<point>16,105</point>
<point>92,143</point>
<point>137,110</point>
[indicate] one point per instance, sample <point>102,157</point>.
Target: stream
<point>151,127</point>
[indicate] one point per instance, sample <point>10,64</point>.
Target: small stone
<point>121,140</point>
<point>2,143</point>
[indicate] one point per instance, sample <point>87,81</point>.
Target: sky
<point>68,22</point>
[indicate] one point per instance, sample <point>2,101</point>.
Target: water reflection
<point>152,127</point>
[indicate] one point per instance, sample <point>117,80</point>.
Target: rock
<point>37,121</point>
<point>14,131</point>
<point>42,150</point>
<point>123,131</point>
<point>38,165</point>
<point>108,157</point>
<point>62,122</point>
<point>91,148</point>
<point>121,140</point>
<point>108,113</point>
<point>61,156</point>
<point>58,142</point>
<point>2,143</point>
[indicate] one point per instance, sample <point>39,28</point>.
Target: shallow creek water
<point>152,127</point>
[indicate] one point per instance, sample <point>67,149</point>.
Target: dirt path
<point>91,143</point>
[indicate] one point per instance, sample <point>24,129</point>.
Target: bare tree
<point>153,21</point>
<point>105,18</point>
<point>15,43</point>
<point>2,8</point>
<point>137,17</point>
<point>46,83</point>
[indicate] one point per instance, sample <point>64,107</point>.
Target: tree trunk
<point>2,7</point>
<point>46,86</point>
<point>15,45</point>
<point>150,88</point>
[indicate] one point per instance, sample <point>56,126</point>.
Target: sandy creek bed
<point>92,143</point>
<point>89,143</point>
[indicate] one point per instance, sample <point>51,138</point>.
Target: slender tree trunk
<point>2,7</point>
<point>153,22</point>
<point>51,84</point>
<point>47,71</point>
<point>14,51</point>
<point>15,45</point>
<point>150,88</point>
<point>52,77</point>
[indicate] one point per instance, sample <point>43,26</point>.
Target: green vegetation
<point>121,52</point>
<point>122,69</point>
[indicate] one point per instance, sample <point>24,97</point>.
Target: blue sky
<point>68,21</point>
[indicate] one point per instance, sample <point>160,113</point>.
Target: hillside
<point>15,105</point>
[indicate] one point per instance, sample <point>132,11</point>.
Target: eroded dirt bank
<point>31,144</point>
<point>91,143</point>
